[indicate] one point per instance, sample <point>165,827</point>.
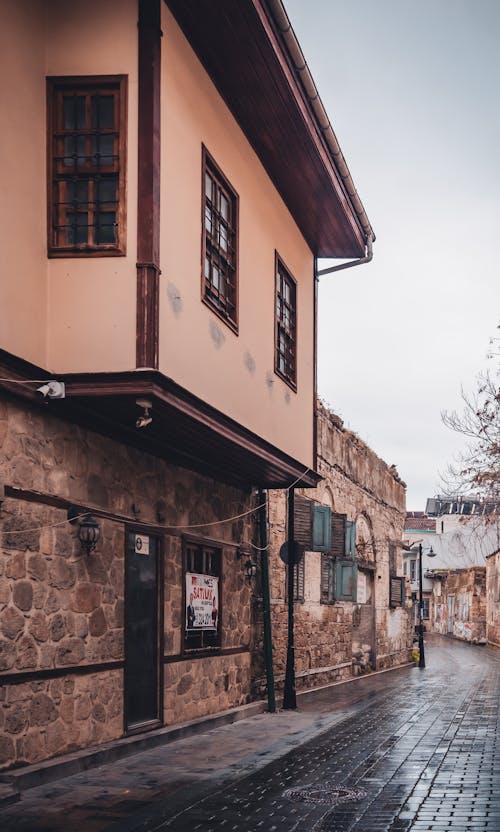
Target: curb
<point>13,782</point>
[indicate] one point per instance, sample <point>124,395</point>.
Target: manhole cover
<point>329,795</point>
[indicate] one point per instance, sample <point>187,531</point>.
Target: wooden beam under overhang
<point>185,431</point>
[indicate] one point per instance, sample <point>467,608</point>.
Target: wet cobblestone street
<point>419,748</point>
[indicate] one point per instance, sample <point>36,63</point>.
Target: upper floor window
<point>86,159</point>
<point>285,362</point>
<point>220,243</point>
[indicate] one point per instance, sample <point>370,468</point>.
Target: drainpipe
<point>366,259</point>
<point>266,602</point>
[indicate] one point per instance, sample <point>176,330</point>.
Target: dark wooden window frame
<point>57,175</point>
<point>224,303</point>
<point>200,644</point>
<point>289,373</point>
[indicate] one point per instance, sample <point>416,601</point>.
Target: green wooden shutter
<point>302,521</point>
<point>338,535</point>
<point>298,580</point>
<point>321,528</point>
<point>346,574</point>
<point>350,539</point>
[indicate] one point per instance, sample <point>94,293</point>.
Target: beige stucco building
<point>162,215</point>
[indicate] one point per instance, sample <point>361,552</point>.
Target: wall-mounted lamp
<point>88,528</point>
<point>249,566</point>
<point>89,533</point>
<point>250,570</point>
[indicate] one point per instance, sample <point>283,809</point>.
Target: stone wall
<point>337,641</point>
<point>62,611</point>
<point>467,589</point>
<point>493,599</point>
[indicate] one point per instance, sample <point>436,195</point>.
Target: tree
<point>476,470</point>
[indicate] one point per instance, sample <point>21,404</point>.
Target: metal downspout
<point>366,259</point>
<point>266,602</point>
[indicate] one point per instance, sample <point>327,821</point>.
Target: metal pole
<point>421,660</point>
<point>289,696</point>
<point>266,603</point>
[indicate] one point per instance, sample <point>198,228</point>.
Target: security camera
<point>52,390</point>
<point>146,418</point>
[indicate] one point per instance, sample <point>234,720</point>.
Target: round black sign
<point>298,552</point>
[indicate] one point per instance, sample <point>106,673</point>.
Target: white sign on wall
<point>141,545</point>
<point>202,601</point>
<point>361,596</point>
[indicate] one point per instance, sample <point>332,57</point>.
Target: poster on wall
<point>202,601</point>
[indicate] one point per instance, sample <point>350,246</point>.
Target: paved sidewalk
<point>413,749</point>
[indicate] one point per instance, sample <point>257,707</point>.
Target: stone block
<point>27,653</point>
<point>70,651</point>
<point>22,595</point>
<point>39,627</point>
<point>61,574</point>
<point>86,598</point>
<point>16,566</point>
<point>97,623</point>
<point>42,710</point>
<point>7,750</point>
<point>16,718</point>
<point>12,622</point>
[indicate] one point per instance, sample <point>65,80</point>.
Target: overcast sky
<point>412,92</point>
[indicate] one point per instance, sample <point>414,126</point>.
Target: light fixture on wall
<point>249,566</point>
<point>250,570</point>
<point>88,528</point>
<point>88,533</point>
<point>146,418</point>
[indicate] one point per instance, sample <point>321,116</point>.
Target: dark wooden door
<point>142,669</point>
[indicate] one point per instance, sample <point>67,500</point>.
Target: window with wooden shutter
<point>312,524</point>
<point>338,535</point>
<point>327,579</point>
<point>303,521</point>
<point>298,581</point>
<point>321,528</point>
<point>345,580</point>
<point>350,539</point>
<point>396,591</point>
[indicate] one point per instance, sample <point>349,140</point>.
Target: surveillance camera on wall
<point>52,390</point>
<point>146,418</point>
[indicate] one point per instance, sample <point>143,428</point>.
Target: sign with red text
<point>202,601</point>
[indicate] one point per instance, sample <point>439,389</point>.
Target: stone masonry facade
<point>335,641</point>
<point>458,605</point>
<point>493,599</point>
<point>62,611</point>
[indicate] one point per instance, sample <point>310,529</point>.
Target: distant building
<point>462,533</point>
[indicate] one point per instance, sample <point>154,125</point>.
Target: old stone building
<point>458,603</point>
<point>346,622</point>
<point>493,598</point>
<point>157,350</point>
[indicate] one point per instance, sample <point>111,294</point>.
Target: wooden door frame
<point>150,531</point>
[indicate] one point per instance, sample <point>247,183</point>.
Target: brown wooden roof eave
<point>240,48</point>
<point>185,430</point>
